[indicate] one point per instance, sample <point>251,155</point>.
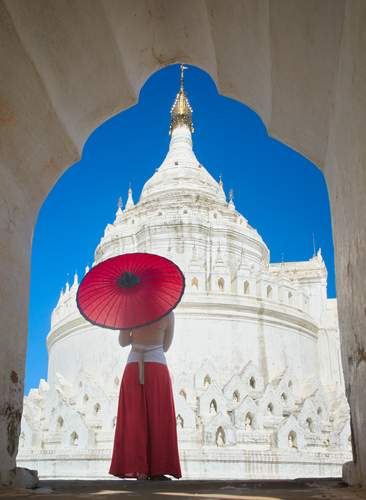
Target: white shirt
<point>154,353</point>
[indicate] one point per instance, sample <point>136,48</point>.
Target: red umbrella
<point>130,290</point>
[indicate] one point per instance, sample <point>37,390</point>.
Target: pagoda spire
<point>182,68</point>
<point>76,279</point>
<point>119,213</point>
<point>130,203</point>
<point>181,112</point>
<point>231,204</point>
<point>221,186</point>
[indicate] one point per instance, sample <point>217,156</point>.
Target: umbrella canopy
<point>130,290</point>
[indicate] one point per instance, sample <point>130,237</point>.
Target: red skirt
<point>145,439</point>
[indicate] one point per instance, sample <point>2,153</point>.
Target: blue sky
<point>282,194</point>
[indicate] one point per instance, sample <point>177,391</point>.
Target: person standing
<point>145,442</point>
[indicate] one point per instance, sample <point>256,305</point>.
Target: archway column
<point>345,172</point>
<point>16,226</point>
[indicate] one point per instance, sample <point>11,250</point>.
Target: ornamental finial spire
<point>130,203</point>
<point>182,68</point>
<point>119,213</point>
<point>231,198</point>
<point>181,111</point>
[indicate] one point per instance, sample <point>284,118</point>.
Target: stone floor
<point>301,489</point>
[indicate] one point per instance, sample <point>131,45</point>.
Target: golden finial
<point>182,68</point>
<point>181,111</point>
<point>231,194</point>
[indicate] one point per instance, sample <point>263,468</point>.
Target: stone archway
<point>69,66</point>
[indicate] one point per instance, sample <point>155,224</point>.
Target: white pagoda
<point>255,361</point>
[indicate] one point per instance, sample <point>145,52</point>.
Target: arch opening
<point>226,285</point>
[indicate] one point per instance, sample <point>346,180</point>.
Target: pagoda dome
<point>181,171</point>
